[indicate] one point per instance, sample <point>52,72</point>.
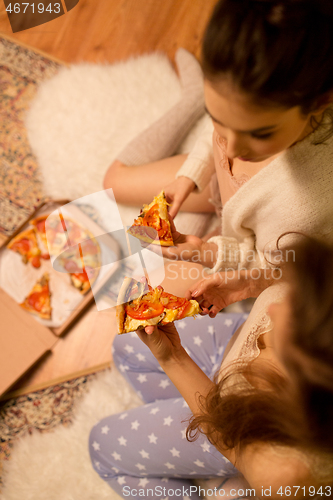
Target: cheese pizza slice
<point>152,225</point>
<point>139,306</point>
<point>38,301</point>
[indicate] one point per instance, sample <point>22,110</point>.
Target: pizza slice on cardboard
<point>152,225</point>
<point>83,263</point>
<point>139,305</point>
<point>38,301</point>
<point>83,260</point>
<point>25,243</point>
<point>60,234</point>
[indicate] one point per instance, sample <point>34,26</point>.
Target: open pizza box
<point>24,336</point>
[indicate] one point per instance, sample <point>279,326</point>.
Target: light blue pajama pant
<point>144,452</point>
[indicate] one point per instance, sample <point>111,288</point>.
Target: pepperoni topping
<point>21,245</point>
<point>171,301</point>
<point>38,299</point>
<point>35,261</point>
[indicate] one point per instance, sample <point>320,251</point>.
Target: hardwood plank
<point>111,30</point>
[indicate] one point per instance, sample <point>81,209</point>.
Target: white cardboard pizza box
<point>24,339</point>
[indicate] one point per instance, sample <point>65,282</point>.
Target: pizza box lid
<point>23,341</point>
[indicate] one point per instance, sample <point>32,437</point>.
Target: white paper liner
<point>17,279</point>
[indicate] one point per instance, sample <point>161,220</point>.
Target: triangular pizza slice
<point>139,305</point>
<point>25,243</point>
<point>38,301</point>
<point>152,225</point>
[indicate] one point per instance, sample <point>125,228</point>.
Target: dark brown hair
<point>277,51</point>
<point>271,410</point>
<point>312,329</point>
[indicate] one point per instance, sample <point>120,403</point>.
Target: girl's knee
<point>119,350</point>
<point>103,463</point>
<point>126,349</point>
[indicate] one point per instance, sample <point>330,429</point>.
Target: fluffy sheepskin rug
<point>56,465</point>
<point>84,116</point>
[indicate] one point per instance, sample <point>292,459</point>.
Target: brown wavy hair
<point>272,410</point>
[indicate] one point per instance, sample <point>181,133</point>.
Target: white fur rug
<point>84,116</point>
<point>56,465</point>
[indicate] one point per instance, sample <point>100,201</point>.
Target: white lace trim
<point>250,347</point>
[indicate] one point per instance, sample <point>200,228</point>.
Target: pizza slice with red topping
<point>25,243</point>
<point>38,301</point>
<point>82,262</point>
<point>152,225</point>
<point>139,306</point>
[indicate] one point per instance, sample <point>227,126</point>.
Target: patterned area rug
<point>21,71</point>
<point>41,410</point>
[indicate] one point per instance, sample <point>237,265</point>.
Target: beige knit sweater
<point>293,193</point>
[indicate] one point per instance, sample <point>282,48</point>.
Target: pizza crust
<point>123,298</point>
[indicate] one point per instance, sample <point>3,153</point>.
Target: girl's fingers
<point>149,330</point>
<point>173,211</point>
<point>205,311</point>
<point>213,311</point>
<point>196,291</point>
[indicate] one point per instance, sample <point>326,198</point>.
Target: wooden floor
<point>105,31</point>
<point>111,30</point>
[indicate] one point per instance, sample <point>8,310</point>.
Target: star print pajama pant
<point>144,452</point>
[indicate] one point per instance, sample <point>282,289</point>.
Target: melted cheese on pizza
<point>171,314</point>
<point>132,324</point>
